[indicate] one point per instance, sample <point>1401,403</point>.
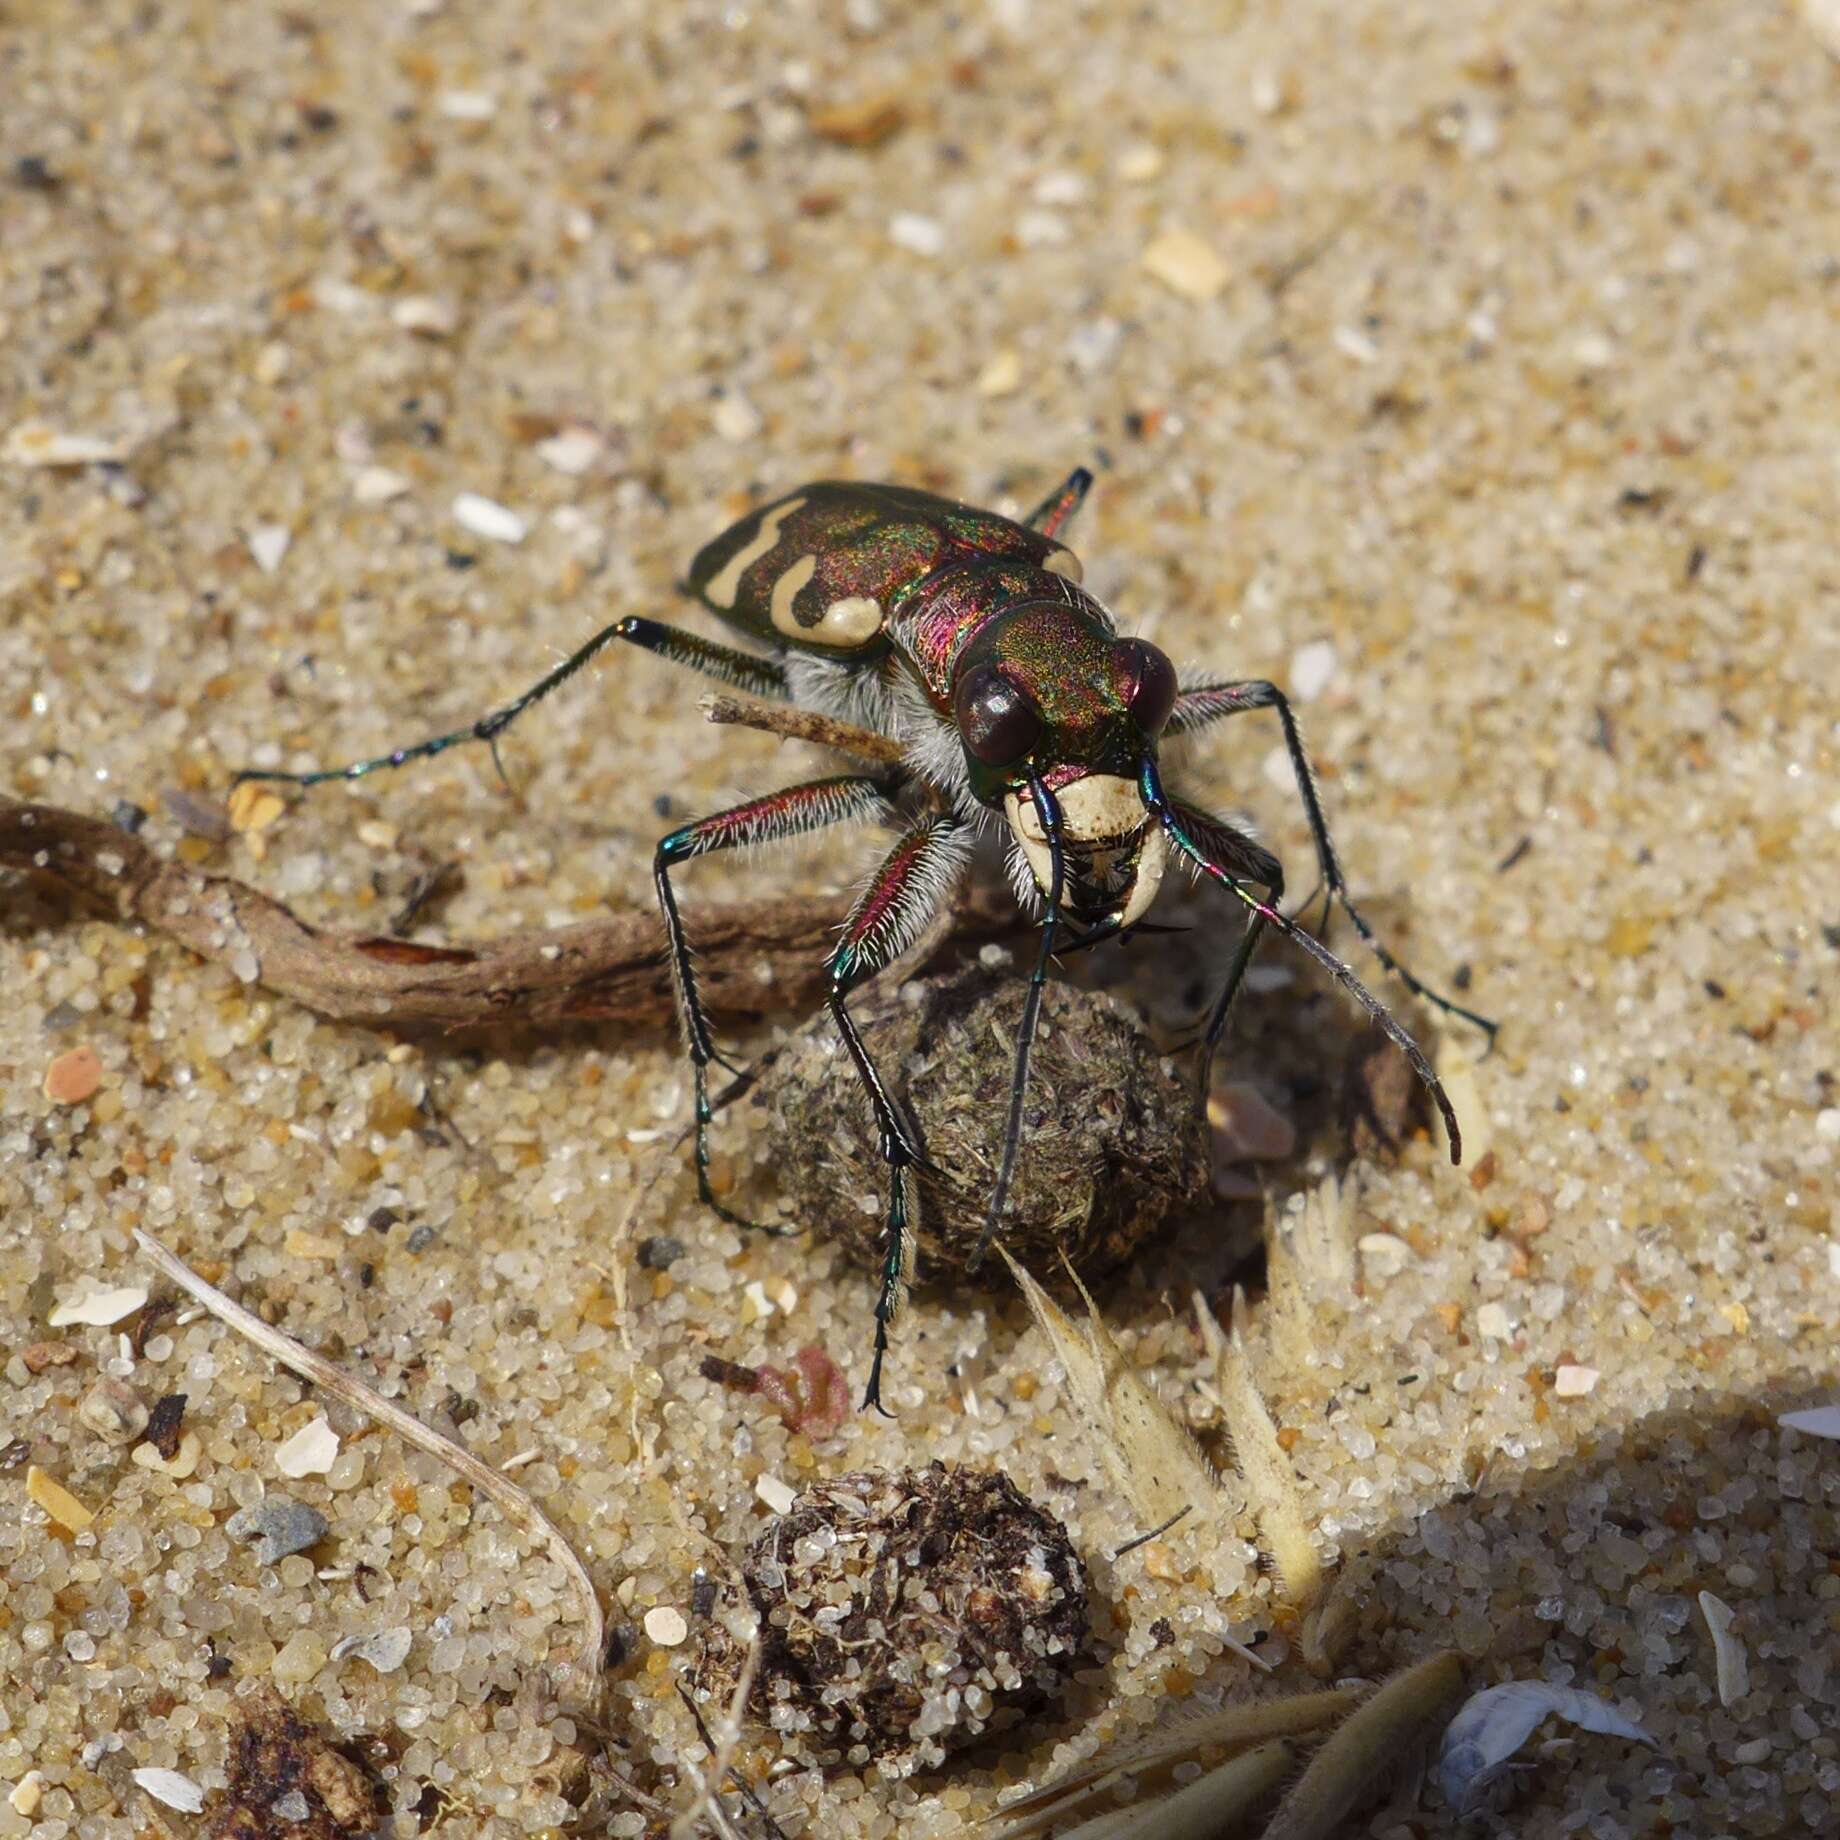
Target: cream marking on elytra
<point>1105,828</point>
<point>786,590</point>
<point>1065,563</point>
<point>724,586</point>
<point>852,621</point>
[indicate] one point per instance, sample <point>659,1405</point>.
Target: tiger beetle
<point>967,638</point>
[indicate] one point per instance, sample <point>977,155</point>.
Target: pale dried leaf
<point>1367,1748</point>
<point>1493,1724</point>
<point>1234,1728</point>
<point>1284,1526</point>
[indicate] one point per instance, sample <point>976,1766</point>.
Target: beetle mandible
<point>966,637</point>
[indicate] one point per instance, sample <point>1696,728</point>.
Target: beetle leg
<point>890,913</point>
<point>1061,503</point>
<point>1201,704</point>
<point>760,675</point>
<point>1249,860</point>
<point>778,815</point>
<point>1215,849</point>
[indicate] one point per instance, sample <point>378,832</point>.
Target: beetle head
<point>1049,692</point>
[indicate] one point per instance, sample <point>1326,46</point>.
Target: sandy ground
<point>1472,367</point>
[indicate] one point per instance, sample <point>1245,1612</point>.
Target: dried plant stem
<point>754,958</point>
<point>1366,1750</point>
<point>1283,1525</point>
<point>512,1500</point>
<point>806,725</point>
<point>1215,1805</point>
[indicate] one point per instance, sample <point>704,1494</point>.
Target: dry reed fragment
<point>584,1672</point>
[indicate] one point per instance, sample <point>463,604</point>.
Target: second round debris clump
<point>902,1615</point>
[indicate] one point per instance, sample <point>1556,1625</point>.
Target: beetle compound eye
<point>999,723</point>
<point>1152,692</point>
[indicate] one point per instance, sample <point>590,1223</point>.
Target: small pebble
<point>309,1452</point>
<point>69,1080</point>
<point>127,816</point>
<point>1313,669</point>
<point>660,1252</point>
<point>1493,1323</point>
<point>293,1806</point>
<point>278,1526</point>
<point>485,517</point>
<point>1386,1255</point>
<point>574,449</point>
<point>196,817</point>
<point>1571,1382</point>
<point>56,1500</point>
<point>468,105</point>
<point>775,1494</point>
<point>100,1309</point>
<point>114,1411</point>
<point>666,1626</point>
<point>1185,265</point>
<point>1140,164</point>
<point>170,1787</point>
<point>268,543</point>
<point>1001,376</point>
<point>27,1793</point>
<point>425,315</point>
<point>302,1657</point>
<point>736,419</point>
<point>179,1466</point>
<point>376,485</point>
<point>918,234</point>
<point>165,1424</point>
<point>254,807</point>
<point>1247,1127</point>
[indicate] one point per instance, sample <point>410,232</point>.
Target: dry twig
<point>754,958</point>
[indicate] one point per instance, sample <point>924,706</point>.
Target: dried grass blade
<point>1283,1525</point>
<point>1363,1753</point>
<point>510,1498</point>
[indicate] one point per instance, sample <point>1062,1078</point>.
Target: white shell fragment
<point>1185,265</point>
<point>309,1452</point>
<point>736,419</point>
<point>268,543</point>
<point>775,1494</point>
<point>170,1787</point>
<point>99,1308</point>
<point>918,234</point>
<point>1819,1421</point>
<point>1733,1664</point>
<point>1492,1725</point>
<point>39,444</point>
<point>1313,669</point>
<point>377,485</point>
<point>385,1649</point>
<point>486,517</point>
<point>574,449</point>
<point>424,314</point>
<point>666,1626</point>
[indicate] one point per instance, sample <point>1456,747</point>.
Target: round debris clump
<point>1113,1142</point>
<point>902,1615</point>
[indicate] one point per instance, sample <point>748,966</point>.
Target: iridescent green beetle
<point>968,638</point>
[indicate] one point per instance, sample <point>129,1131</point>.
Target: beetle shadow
<point>1586,1573</point>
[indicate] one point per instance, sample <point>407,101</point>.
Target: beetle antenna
<point>1048,810</point>
<point>1263,912</point>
